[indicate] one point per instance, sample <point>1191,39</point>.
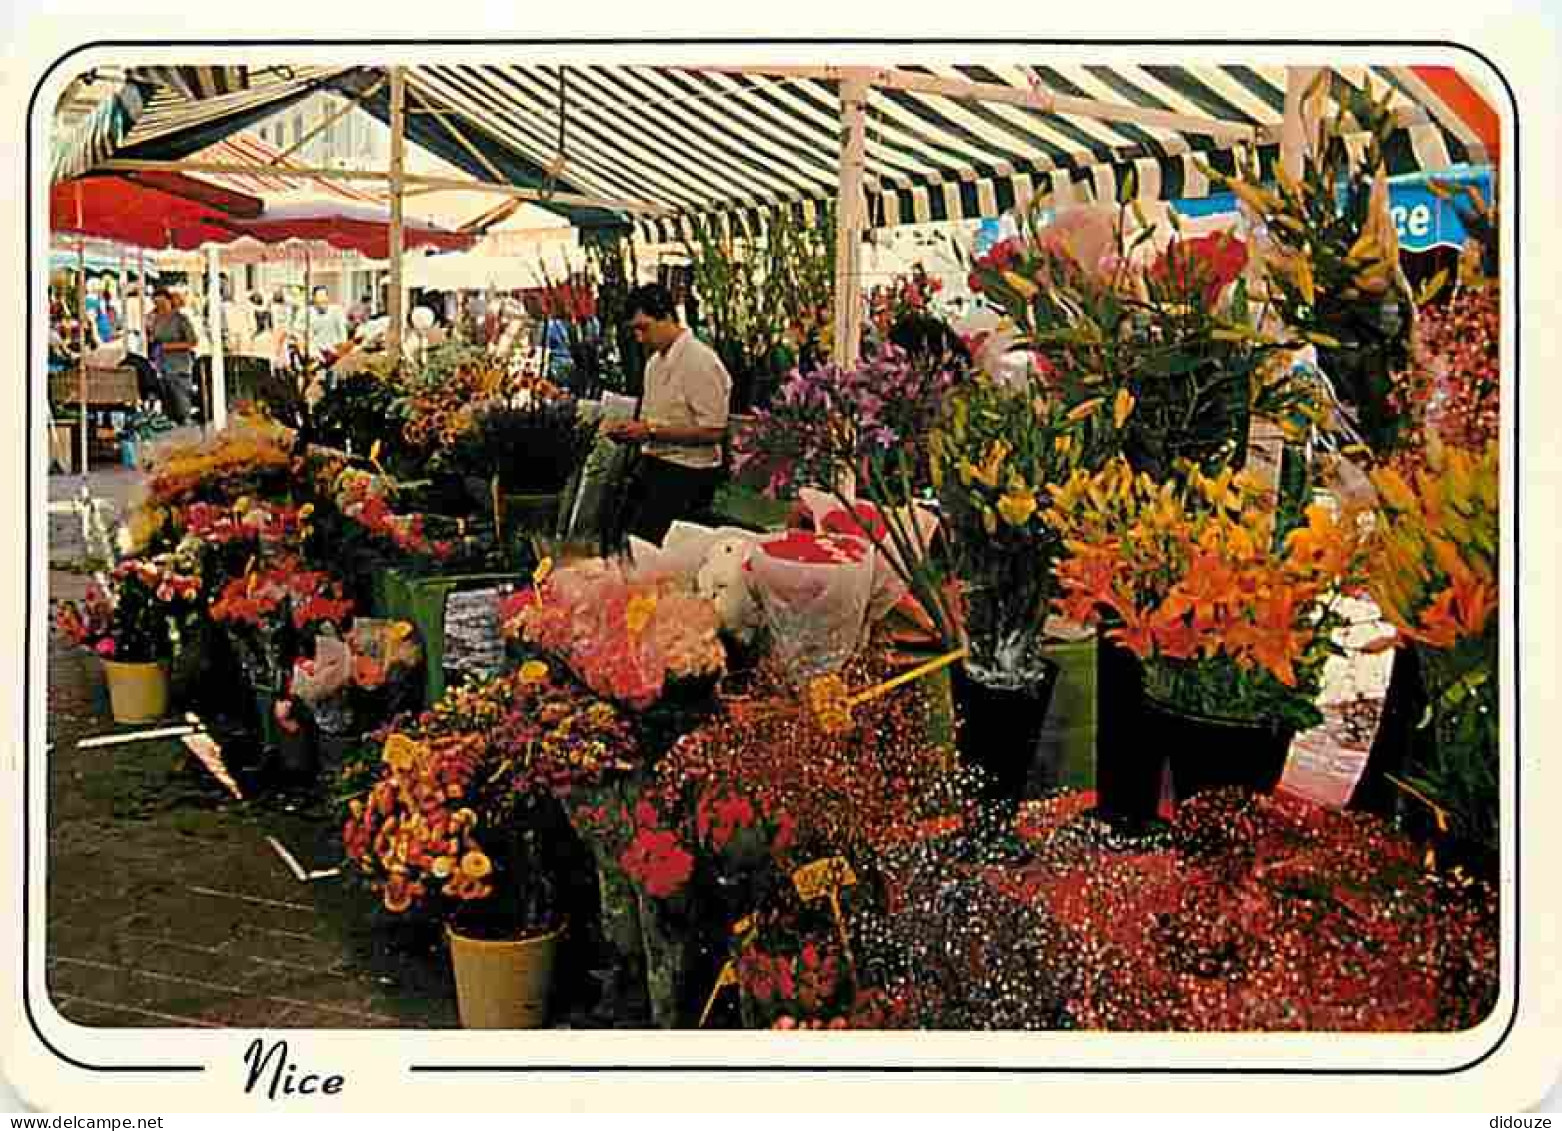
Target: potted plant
<point>1159,331</point>
<point>270,614</point>
<point>130,620</point>
<point>453,828</point>
<point>1232,631</point>
<point>1434,576</point>
<point>995,450</point>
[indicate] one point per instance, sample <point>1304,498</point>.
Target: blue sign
<point>1422,219</point>
<point>986,236</point>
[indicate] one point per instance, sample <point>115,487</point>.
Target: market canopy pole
<point>81,355</point>
<point>1293,139</point>
<point>398,131</point>
<point>849,219</point>
<point>219,380</point>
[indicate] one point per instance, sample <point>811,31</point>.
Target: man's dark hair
<point>162,292</point>
<point>651,299</point>
<point>928,340</point>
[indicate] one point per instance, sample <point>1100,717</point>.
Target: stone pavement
<point>166,905</point>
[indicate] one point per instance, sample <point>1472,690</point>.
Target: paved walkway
<point>167,906</point>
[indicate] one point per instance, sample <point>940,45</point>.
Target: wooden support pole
<point>219,381</point>
<point>398,128</point>
<point>1293,134</point>
<point>81,347</point>
<point>849,219</point>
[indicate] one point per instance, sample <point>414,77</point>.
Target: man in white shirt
<point>323,323</point>
<point>682,420</point>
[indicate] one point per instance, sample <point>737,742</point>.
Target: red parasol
<point>364,228</point>
<point>151,210</point>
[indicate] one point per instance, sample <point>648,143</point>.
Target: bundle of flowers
<point>1104,314</point>
<point>132,616</point>
<point>245,520</point>
<point>442,408</point>
<point>624,638</point>
<point>1227,624</point>
<point>805,986</point>
<point>1435,577</point>
<point>283,592</point>
<point>862,433</point>
<point>647,840</point>
<point>815,591</point>
<point>365,499</point>
<point>239,460</point>
<point>437,827</point>
<point>912,293</point>
<point>556,735</point>
<point>1435,569</point>
<point>1265,912</point>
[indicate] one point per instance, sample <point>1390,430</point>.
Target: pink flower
<point>105,647</point>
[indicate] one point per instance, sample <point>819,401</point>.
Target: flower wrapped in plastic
<point>711,560</point>
<point>622,636</point>
<point>814,590</point>
<point>894,562</point>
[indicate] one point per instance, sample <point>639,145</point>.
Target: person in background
<point>361,311</point>
<point>238,324</point>
<point>174,343</point>
<point>682,419</point>
<point>135,318</point>
<point>322,323</point>
<point>259,312</point>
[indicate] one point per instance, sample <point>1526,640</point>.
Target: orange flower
<point>1173,635</point>
<point>1272,638</point>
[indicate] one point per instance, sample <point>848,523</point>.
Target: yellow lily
<point>1017,506</point>
<point>1121,407</point>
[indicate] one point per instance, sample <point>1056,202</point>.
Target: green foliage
<point>764,299</point>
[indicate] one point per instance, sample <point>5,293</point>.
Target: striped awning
<point>736,147</point>
<point>739,147</point>
<point>172,111</point>
<point>94,136</point>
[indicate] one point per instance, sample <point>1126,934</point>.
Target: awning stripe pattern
<point>738,147</point>
<point>164,112</point>
<point>95,137</point>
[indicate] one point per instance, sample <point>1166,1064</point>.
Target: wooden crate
<point>104,387</point>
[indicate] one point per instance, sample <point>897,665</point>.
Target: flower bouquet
<point>1103,313</point>
<point>1229,628</point>
<point>814,590</point>
<point>624,638</point>
<point>861,434</point>
<point>270,611</point>
<point>243,459</point>
<point>1331,254</point>
<point>136,616</point>
<point>135,620</point>
<point>1435,552</point>
<point>448,827</point>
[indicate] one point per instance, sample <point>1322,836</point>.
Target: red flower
<point>657,862</point>
<point>862,519</point>
<point>1207,263</point>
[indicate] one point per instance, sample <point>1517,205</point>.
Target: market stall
<point>787,777</point>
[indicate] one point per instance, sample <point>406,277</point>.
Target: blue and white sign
<point>1422,219</point>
